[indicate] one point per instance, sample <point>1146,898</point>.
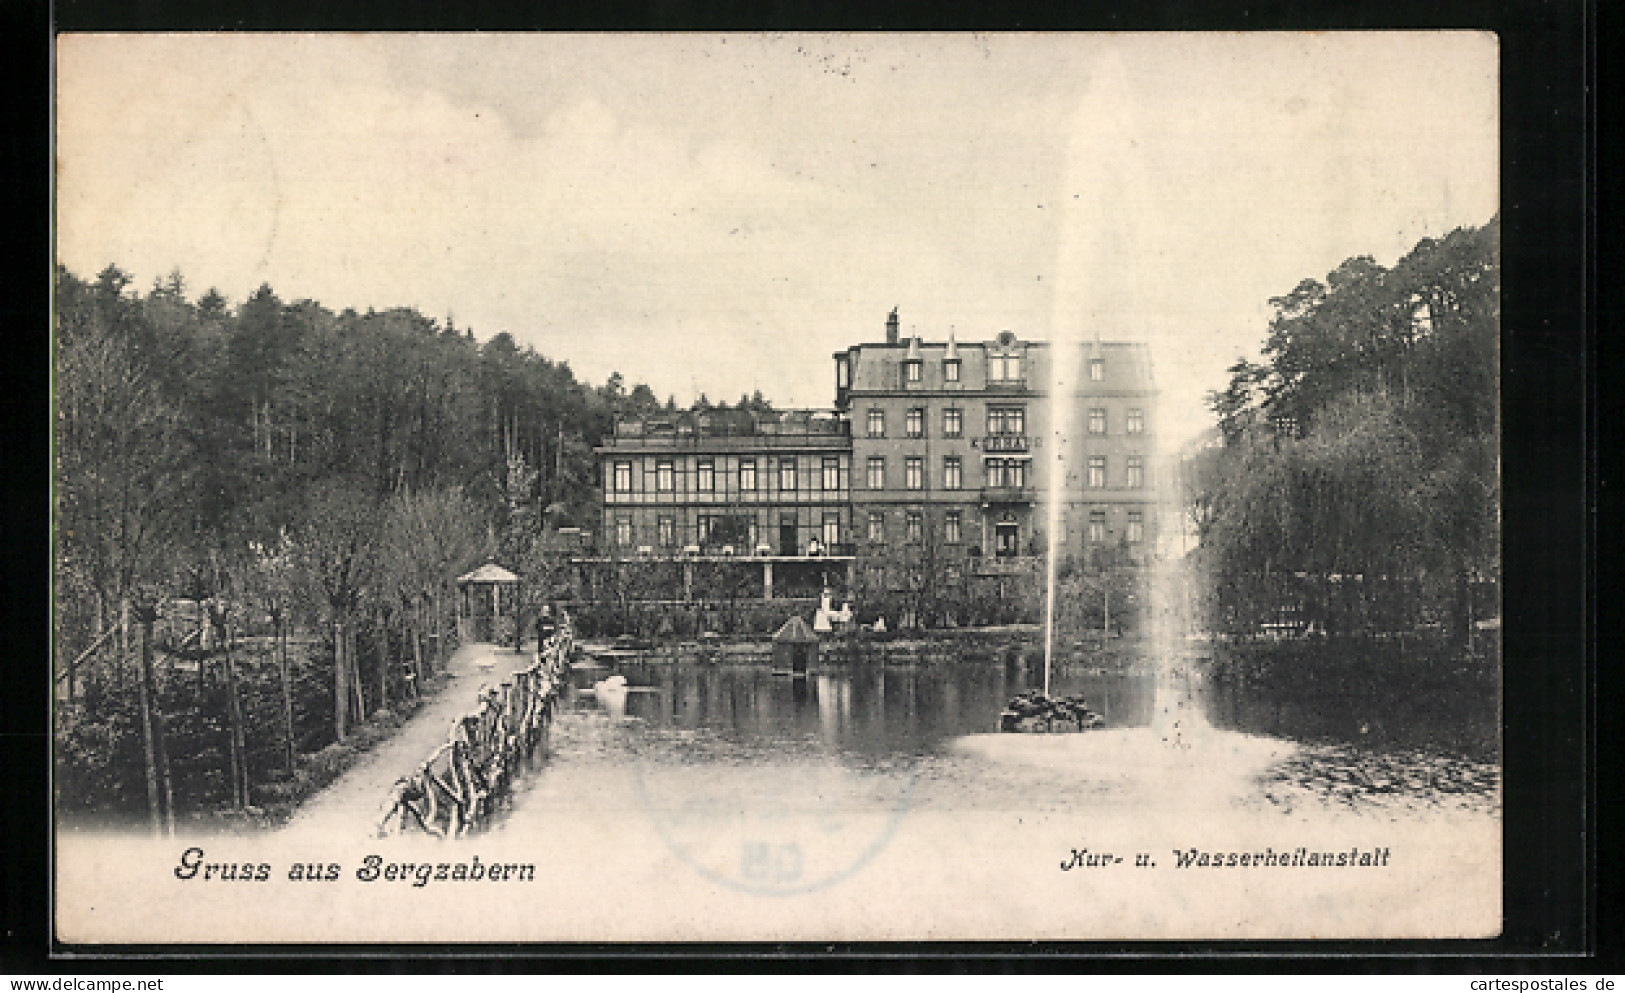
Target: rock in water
<point>1034,712</point>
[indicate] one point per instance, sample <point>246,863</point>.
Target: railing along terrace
<point>453,791</point>
<point>767,434</point>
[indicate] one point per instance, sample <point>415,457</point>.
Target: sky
<point>721,213</point>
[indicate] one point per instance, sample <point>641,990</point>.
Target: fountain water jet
<point>1096,284</point>
<point>1092,284</point>
<point>1060,410</point>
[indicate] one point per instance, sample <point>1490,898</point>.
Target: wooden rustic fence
<point>454,791</point>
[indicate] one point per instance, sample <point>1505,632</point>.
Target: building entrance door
<point>1006,540</point>
<point>787,538</point>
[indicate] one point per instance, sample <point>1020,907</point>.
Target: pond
<point>869,735</point>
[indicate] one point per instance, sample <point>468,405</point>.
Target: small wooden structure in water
<point>488,605</point>
<point>795,648</point>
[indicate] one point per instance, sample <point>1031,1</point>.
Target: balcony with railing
<point>1007,494</point>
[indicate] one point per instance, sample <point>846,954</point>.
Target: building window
<point>877,423</point>
<point>623,531</point>
<point>914,473</point>
<point>1004,368</point>
<point>787,474</point>
<point>1136,527</point>
<point>1011,473</point>
<point>667,532</point>
<point>1136,473</point>
<point>665,478</point>
<point>951,427</point>
<point>950,370</point>
<point>751,539</point>
<point>877,472</point>
<point>911,371</point>
<point>950,527</point>
<point>1136,421</point>
<point>623,477</point>
<point>914,423</point>
<point>916,526</point>
<point>1097,420</point>
<point>1006,420</point>
<point>747,475</point>
<point>1097,369</point>
<point>832,531</point>
<point>703,525</point>
<point>832,474</point>
<point>843,374</point>
<point>1097,527</point>
<point>708,477</point>
<point>877,526</point>
<point>951,479</point>
<point>1097,471</point>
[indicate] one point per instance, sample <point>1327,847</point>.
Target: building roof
<point>490,572</point>
<point>795,630</point>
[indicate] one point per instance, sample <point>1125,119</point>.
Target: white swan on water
<point>610,684</point>
<point>611,693</point>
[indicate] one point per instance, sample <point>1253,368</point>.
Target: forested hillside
<point>284,467</point>
<point>1359,479</point>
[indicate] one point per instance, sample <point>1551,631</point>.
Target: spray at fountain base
<point>1037,712</point>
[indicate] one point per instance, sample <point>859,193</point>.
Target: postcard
<point>776,487</point>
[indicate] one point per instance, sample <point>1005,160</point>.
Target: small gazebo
<point>488,605</point>
<point>795,647</point>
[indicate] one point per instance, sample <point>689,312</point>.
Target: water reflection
<point>1395,715</point>
<point>911,708</point>
<point>868,709</point>
<point>1175,732</point>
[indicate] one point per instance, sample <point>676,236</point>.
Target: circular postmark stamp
<point>775,828</point>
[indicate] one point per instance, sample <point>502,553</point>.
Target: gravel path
<point>351,805</point>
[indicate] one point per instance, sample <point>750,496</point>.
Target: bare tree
<point>333,552</point>
<point>121,470</point>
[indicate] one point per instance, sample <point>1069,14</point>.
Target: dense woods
<point>1357,488</point>
<point>258,509</point>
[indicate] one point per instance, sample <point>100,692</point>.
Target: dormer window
<point>1097,370</point>
<point>911,371</point>
<point>1004,368</point>
<point>950,370</point>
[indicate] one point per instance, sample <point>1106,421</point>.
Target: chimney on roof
<point>891,327</point>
